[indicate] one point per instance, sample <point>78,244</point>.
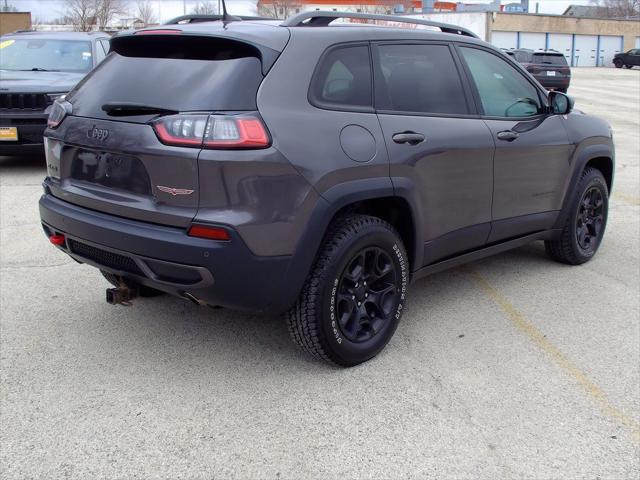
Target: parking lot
<point>510,367</point>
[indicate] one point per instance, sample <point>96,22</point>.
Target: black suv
<point>315,170</point>
<point>35,69</point>
<point>549,67</point>
<point>629,59</point>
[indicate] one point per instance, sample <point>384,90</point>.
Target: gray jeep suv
<point>313,169</point>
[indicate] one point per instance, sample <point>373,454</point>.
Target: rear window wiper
<point>131,109</point>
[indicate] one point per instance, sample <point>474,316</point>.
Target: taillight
<point>212,131</point>
<point>59,110</point>
<point>532,68</point>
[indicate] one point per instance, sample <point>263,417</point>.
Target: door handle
<point>507,135</point>
<point>412,138</point>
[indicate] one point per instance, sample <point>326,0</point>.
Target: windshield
<point>549,59</point>
<point>45,55</point>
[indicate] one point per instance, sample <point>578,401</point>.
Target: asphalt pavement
<point>510,367</point>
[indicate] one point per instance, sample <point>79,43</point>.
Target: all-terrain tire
<point>354,245</point>
<point>570,248</point>
<point>143,290</point>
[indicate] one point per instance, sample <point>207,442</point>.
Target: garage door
<point>504,39</point>
<point>534,41</point>
<point>584,52</point>
<point>609,46</point>
<point>562,43</point>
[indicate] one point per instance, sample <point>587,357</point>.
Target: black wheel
<point>628,66</point>
<point>618,63</point>
<point>354,296</point>
<point>585,224</point>
<point>143,290</point>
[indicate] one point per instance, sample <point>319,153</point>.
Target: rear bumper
<point>30,127</point>
<point>166,258</point>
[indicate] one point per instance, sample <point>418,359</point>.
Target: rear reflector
<point>57,239</point>
<point>212,131</point>
<point>209,232</point>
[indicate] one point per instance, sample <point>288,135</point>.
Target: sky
<point>166,9</point>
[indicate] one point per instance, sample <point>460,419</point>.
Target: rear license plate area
<point>111,170</point>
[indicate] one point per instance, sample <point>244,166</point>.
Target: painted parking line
<point>539,340</point>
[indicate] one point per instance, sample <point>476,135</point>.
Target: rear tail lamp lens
<point>59,110</point>
<point>209,232</point>
<point>212,131</point>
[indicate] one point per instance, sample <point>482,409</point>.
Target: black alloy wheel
<point>590,219</point>
<point>367,294</point>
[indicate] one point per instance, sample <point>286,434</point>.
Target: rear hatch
<point>107,155</point>
<point>545,64</point>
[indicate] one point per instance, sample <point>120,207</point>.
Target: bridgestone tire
<point>567,248</point>
<point>313,321</point>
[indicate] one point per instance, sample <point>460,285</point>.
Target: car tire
<point>143,290</point>
<point>354,296</point>
<point>618,63</point>
<point>628,66</point>
<point>586,221</point>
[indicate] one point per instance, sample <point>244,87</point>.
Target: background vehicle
<point>549,67</point>
<point>35,69</point>
<point>629,59</point>
<point>297,186</point>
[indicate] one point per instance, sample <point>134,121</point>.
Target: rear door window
<point>182,74</point>
<point>419,78</point>
<point>343,79</point>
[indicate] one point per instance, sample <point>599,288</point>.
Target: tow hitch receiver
<point>121,295</point>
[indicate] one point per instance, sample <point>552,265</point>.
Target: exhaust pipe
<point>121,295</point>
<point>193,298</point>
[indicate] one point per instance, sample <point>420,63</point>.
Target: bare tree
<point>205,8</point>
<point>279,8</point>
<point>81,14</point>
<point>145,12</point>
<point>618,8</point>
<point>106,10</point>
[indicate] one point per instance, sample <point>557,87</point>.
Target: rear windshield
<point>182,74</point>
<point>45,54</point>
<point>549,59</point>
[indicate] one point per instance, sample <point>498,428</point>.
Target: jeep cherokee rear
<point>315,171</point>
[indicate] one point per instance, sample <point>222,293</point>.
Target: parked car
<point>549,67</point>
<point>629,59</point>
<point>35,69</point>
<point>315,170</point>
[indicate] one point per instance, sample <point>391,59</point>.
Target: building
<point>585,42</point>
<point>287,8</point>
<point>12,21</point>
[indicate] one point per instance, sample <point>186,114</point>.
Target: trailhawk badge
<point>174,191</point>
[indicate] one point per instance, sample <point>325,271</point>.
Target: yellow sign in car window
<point>6,43</point>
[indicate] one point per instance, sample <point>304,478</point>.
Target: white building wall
<point>474,21</point>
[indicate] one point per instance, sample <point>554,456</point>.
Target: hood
<point>38,82</point>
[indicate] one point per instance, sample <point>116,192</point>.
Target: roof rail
<point>196,18</point>
<point>323,19</point>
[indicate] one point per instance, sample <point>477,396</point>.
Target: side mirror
<point>560,103</point>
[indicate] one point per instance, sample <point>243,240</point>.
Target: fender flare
<point>330,203</point>
<point>584,156</point>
